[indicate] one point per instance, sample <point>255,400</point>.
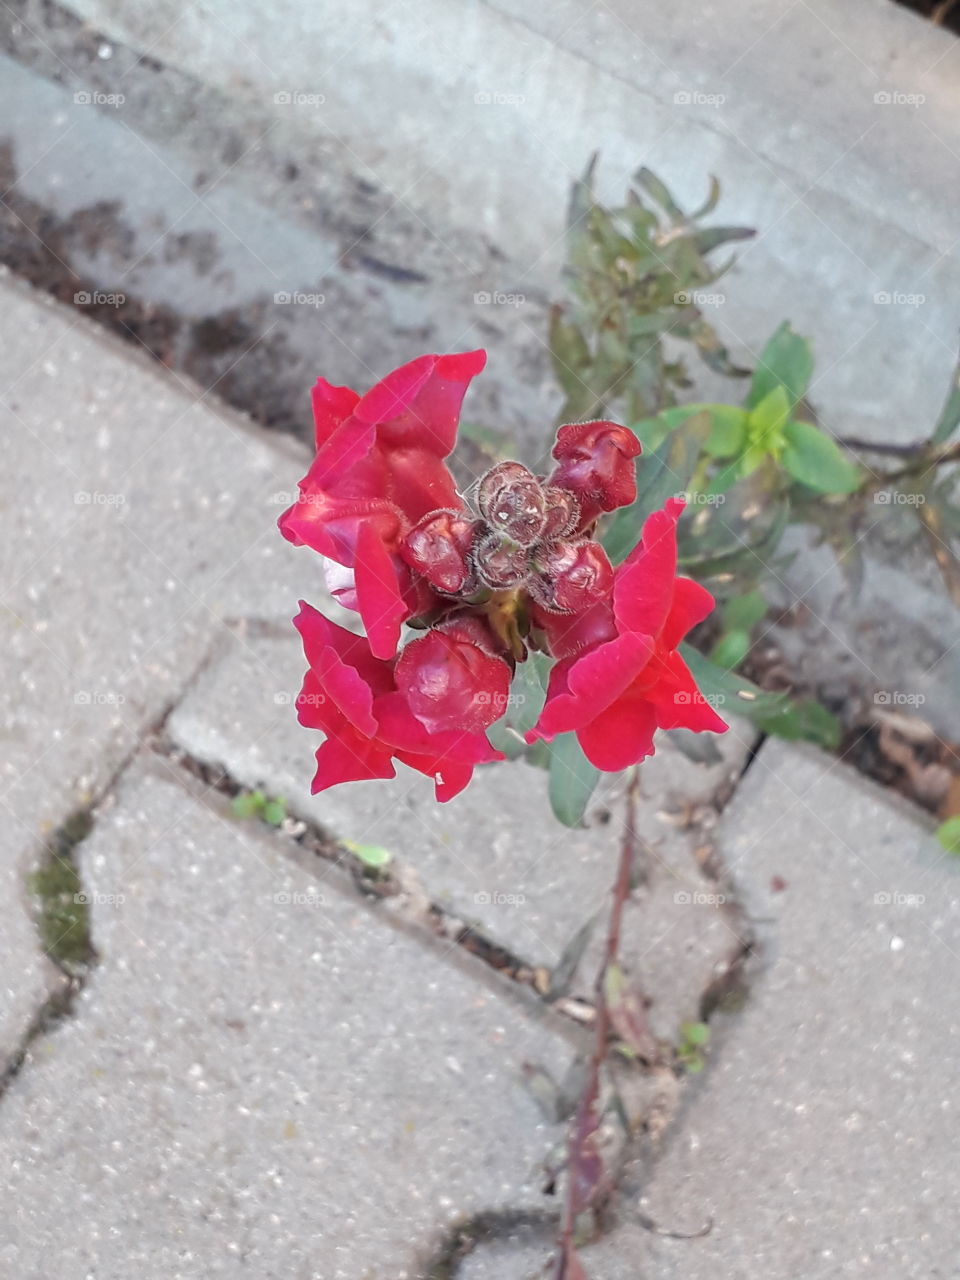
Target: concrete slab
<point>264,1074</point>
<point>819,1141</point>
<point>495,855</point>
<point>134,517</point>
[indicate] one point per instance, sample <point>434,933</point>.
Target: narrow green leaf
<point>373,856</point>
<point>786,361</point>
<point>816,460</point>
<point>247,804</point>
<point>712,237</point>
<point>948,833</point>
<point>274,812</point>
<point>731,649</point>
<point>949,418</point>
<point>775,713</point>
<point>572,779</point>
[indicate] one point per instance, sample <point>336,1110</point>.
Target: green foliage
<point>572,779</point>
<point>255,804</point>
<point>63,909</point>
<point>694,1038</point>
<point>948,833</point>
<point>636,272</point>
<point>373,856</point>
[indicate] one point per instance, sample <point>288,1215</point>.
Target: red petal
<point>379,596</point>
<point>450,683</point>
<point>350,758</point>
<point>644,585</point>
<point>331,406</point>
<point>691,604</point>
<point>679,703</point>
<point>580,687</point>
<point>419,403</point>
<point>621,735</point>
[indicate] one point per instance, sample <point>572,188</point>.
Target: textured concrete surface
<point>134,516</point>
<point>264,1076</point>
<point>820,1141</point>
<point>796,107</point>
<point>493,855</point>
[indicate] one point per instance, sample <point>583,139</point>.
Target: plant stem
<point>589,1099</point>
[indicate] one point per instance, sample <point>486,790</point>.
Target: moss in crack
<point>63,911</point>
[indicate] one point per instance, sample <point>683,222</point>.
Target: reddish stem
<point>591,1090</point>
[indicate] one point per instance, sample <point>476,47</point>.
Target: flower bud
<point>511,500</point>
<point>438,546</point>
<point>452,678</point>
<point>563,513</point>
<point>500,564</point>
<point>571,576</point>
<point>596,463</point>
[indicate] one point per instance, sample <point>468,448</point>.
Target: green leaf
<point>274,812</point>
<point>247,804</point>
<point>745,611</point>
<point>766,422</point>
<point>712,237</point>
<point>695,1033</point>
<point>572,779</point>
<point>786,361</point>
<point>949,418</point>
<point>731,649</point>
<point>948,833</point>
<point>816,460</point>
<point>649,182</point>
<point>373,856</point>
<point>775,713</point>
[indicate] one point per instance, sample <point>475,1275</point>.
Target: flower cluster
<point>480,579</point>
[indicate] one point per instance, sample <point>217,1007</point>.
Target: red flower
<point>364,705</point>
<point>379,470</point>
<point>596,462</point>
<point>619,677</point>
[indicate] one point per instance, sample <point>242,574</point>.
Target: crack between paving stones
<point>376,885</point>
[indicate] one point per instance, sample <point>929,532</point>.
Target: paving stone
<point>265,1075</point>
<point>820,1140</point>
<point>135,517</point>
<point>495,854</point>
